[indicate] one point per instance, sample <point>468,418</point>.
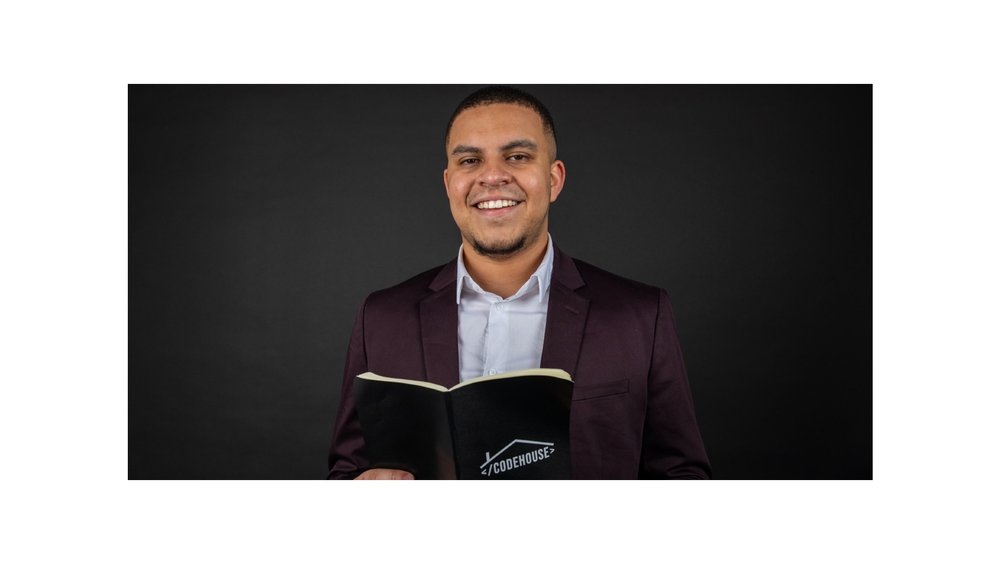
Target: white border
<point>64,230</point>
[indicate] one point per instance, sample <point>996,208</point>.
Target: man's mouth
<point>497,204</point>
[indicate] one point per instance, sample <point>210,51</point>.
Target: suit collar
<point>564,326</point>
<point>564,270</point>
<point>445,277</point>
<point>439,329</point>
<point>567,316</point>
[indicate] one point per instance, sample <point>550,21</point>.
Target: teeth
<point>494,204</point>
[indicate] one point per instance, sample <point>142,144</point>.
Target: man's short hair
<point>504,95</point>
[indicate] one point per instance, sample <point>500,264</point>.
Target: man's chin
<point>498,249</point>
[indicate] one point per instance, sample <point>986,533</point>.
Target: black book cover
<point>513,425</point>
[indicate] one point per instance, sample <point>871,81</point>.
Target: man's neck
<point>504,276</point>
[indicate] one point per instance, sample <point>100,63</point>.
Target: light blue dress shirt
<point>499,335</point>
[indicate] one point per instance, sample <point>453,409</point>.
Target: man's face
<point>501,178</point>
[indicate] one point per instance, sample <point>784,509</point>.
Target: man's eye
<point>468,161</point>
<point>518,157</point>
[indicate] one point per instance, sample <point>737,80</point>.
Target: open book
<point>513,425</point>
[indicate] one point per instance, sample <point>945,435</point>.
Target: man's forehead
<point>499,110</point>
<point>498,124</point>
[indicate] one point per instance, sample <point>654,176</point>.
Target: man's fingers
<point>385,474</point>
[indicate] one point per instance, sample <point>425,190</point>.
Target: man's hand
<point>384,474</point>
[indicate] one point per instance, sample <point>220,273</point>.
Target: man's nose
<point>494,173</point>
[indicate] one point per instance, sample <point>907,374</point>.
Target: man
<point>511,300</point>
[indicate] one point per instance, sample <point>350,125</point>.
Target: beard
<point>498,249</point>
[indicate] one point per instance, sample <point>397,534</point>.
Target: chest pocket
<point>600,390</point>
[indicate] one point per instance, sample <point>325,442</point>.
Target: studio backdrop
<point>260,217</point>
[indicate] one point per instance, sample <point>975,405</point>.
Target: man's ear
<point>445,182</point>
<point>557,177</point>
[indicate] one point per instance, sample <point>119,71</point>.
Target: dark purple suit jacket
<point>632,414</point>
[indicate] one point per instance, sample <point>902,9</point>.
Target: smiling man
<point>502,175</point>
<point>511,300</point>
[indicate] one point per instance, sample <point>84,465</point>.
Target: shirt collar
<point>543,274</point>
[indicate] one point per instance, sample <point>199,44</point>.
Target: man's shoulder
<point>415,288</point>
<point>602,283</point>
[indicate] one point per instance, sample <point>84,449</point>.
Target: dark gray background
<point>260,216</point>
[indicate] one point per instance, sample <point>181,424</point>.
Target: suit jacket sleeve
<point>672,446</point>
<point>346,460</point>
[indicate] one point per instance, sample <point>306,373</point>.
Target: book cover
<point>513,425</point>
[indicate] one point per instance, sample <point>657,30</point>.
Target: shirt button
<point>499,307</point>
<point>492,372</point>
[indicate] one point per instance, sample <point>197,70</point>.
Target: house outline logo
<point>494,466</point>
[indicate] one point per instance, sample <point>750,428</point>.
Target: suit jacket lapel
<point>564,325</point>
<point>439,328</point>
<point>567,316</point>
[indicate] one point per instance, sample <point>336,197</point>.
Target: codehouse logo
<point>516,458</point>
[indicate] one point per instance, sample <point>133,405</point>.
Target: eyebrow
<point>520,144</point>
<point>516,144</point>
<point>462,149</point>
